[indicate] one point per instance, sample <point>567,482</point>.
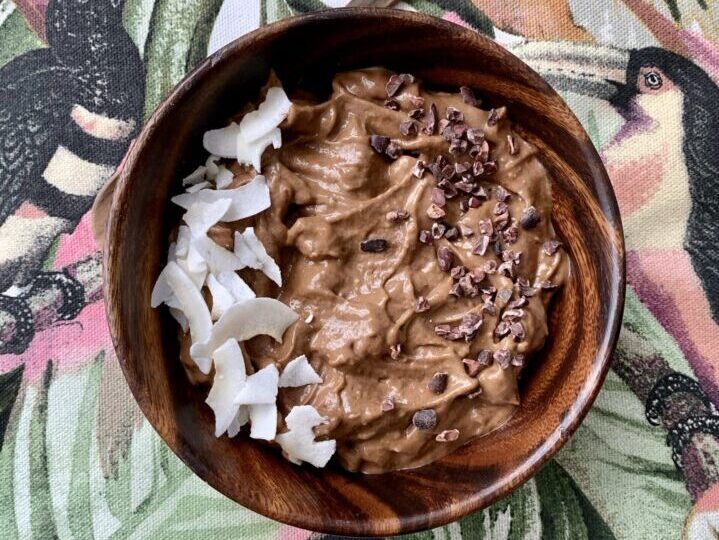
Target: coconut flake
<point>263,421</point>
<point>202,215</point>
<point>260,387</point>
<point>222,142</point>
<point>212,167</point>
<point>224,177</point>
<point>298,372</point>
<point>271,112</point>
<point>245,320</point>
<point>194,266</point>
<point>240,419</point>
<point>183,242</point>
<point>230,377</point>
<point>247,200</point>
<point>195,177</point>
<point>222,299</point>
<point>180,318</point>
<point>162,291</point>
<point>197,187</point>
<point>250,153</point>
<point>299,443</point>
<point>217,258</point>
<point>244,253</point>
<point>268,265</point>
<point>194,308</point>
<point>236,285</point>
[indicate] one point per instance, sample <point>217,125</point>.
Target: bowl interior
<point>556,391</point>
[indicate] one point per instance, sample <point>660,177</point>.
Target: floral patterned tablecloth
<point>77,79</point>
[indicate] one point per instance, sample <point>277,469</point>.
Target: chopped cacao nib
<point>448,435</point>
<point>477,275</point>
<point>497,246</point>
<point>481,247</point>
<point>489,289</point>
<point>374,245</point>
<point>418,169</point>
<point>416,113</point>
<point>443,330</point>
<point>395,350</point>
<point>438,229</point>
<point>469,289</point>
<point>479,192</point>
<point>438,383</point>
<point>465,230</point>
<point>530,217</point>
<point>490,167</point>
<point>477,168</point>
<point>547,285</point>
<point>430,120</point>
<point>387,404</point>
<point>425,237</point>
<point>379,143</point>
<point>502,329</point>
<point>471,322</point>
<point>474,151</point>
<point>502,357</point>
<point>392,104</point>
<point>512,314</point>
<point>435,212</point>
<point>425,419</point>
<point>445,129</point>
<point>421,305</point>
<point>511,233</point>
<point>550,247</point>
<point>447,172</point>
<point>396,82</point>
<point>517,303</point>
<point>456,290</point>
<point>517,331</point>
<point>445,258</point>
<point>501,194</point>
<point>461,168</point>
<point>506,268</point>
<point>518,360</point>
<point>489,308</point>
<point>464,187</point>
<point>474,202</point>
<point>452,234</point>
<point>500,223</point>
<point>393,150</point>
<point>397,216</point>
<point>500,208</point>
<point>471,366</point>
<point>459,130</point>
<point>438,197</point>
<point>457,146</point>
<point>483,155</point>
<point>435,170</point>
<point>448,187</point>
<point>457,271</point>
<point>475,136</point>
<point>493,117</point>
<point>408,128</point>
<point>463,205</point>
<point>416,101</point>
<point>485,357</point>
<point>510,144</point>
<point>468,96</point>
<point>453,115</point>
<point>490,267</point>
<point>509,255</point>
<point>486,227</point>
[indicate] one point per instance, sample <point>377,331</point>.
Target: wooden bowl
<point>556,393</point>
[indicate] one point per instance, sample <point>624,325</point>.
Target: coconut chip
<point>212,169</point>
<point>267,264</point>
<point>224,177</point>
<point>222,299</point>
<point>217,258</point>
<point>230,377</point>
<point>270,114</point>
<point>244,321</point>
<point>299,443</point>
<point>183,241</point>
<point>179,316</point>
<point>222,142</point>
<point>194,266</point>
<point>260,387</point>
<point>247,200</point>
<point>298,372</point>
<point>250,153</point>
<point>200,216</point>
<point>236,285</point>
<point>197,187</point>
<point>195,177</point>
<point>240,419</point>
<point>193,307</point>
<point>263,421</point>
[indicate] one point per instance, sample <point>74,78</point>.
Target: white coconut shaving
<point>247,200</point>
<point>183,241</point>
<point>230,377</point>
<point>212,169</point>
<point>243,321</point>
<point>263,421</point>
<point>200,216</point>
<point>236,285</point>
<point>195,267</point>
<point>299,444</point>
<point>193,307</point>
<point>245,254</point>
<point>224,177</point>
<point>298,372</point>
<point>240,419</point>
<point>260,387</point>
<point>267,264</point>
<point>197,187</point>
<point>222,299</point>
<point>217,258</point>
<point>222,142</point>
<point>270,114</point>
<point>179,316</point>
<point>162,291</point>
<point>195,177</point>
<point>250,153</point>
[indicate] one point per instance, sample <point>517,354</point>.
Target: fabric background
<point>77,78</point>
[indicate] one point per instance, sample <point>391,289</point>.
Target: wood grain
<point>557,390</point>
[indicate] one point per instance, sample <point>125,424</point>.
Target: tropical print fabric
<point>78,78</point>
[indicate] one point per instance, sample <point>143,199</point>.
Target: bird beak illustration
<point>591,70</point>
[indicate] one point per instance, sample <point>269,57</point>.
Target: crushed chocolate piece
<point>397,216</point>
<point>448,435</point>
<point>421,305</point>
<point>425,419</point>
<point>438,383</point>
<point>468,96</point>
<point>510,144</point>
<point>435,212</point>
<point>379,143</point>
<point>530,217</point>
<point>453,115</point>
<point>408,128</point>
<point>425,237</point>
<point>374,245</point>
<point>550,247</point>
<point>502,357</point>
<point>501,194</point>
<point>485,357</point>
<point>418,169</point>
<point>457,271</point>
<point>445,258</point>
<point>395,350</point>
<point>387,404</point>
<point>500,208</point>
<point>471,366</point>
<point>481,247</point>
<point>416,113</point>
<point>438,197</point>
<point>393,150</point>
<point>430,120</point>
<point>396,81</point>
<point>392,104</point>
<point>438,229</point>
